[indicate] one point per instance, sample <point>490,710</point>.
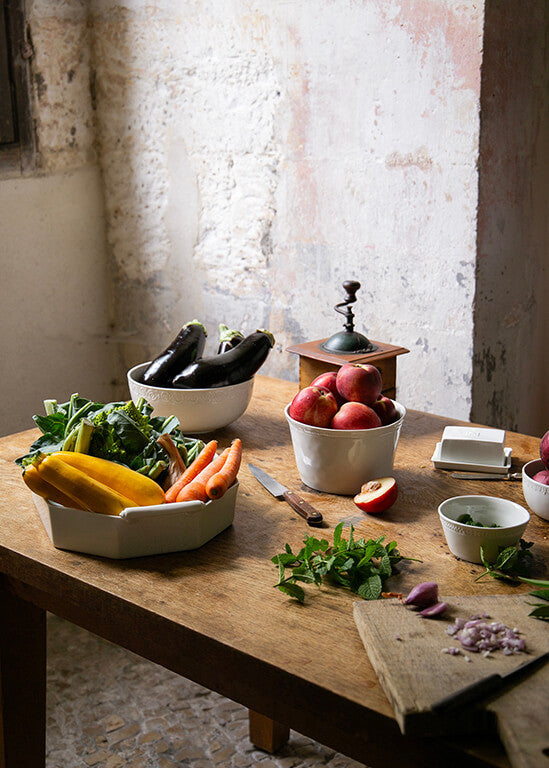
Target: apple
<point>385,409</point>
<point>328,380</point>
<point>377,495</point>
<point>542,477</point>
<point>544,449</point>
<point>359,383</point>
<point>314,406</point>
<point>355,416</point>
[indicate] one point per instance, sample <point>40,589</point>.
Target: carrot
<point>196,489</point>
<point>218,483</point>
<point>202,460</point>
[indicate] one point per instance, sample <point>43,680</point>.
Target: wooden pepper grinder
<point>347,346</point>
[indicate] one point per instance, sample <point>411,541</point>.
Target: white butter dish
<point>465,466</point>
<point>137,531</point>
<point>474,445</point>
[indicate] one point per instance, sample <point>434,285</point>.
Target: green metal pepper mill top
<point>349,341</point>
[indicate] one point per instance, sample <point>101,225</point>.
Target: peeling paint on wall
<point>255,156</point>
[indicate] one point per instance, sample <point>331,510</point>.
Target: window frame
<point>17,156</point>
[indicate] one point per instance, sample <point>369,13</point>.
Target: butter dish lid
<point>473,445</point>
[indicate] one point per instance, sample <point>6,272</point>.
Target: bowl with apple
<point>344,431</point>
<point>535,480</point>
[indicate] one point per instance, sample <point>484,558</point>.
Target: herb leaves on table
<point>512,564</point>
<point>360,565</point>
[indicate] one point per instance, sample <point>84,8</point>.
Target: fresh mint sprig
<point>359,565</point>
<point>511,565</point>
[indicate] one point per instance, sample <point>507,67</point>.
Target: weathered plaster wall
<point>511,309</point>
<point>53,307</point>
<point>249,157</point>
<point>255,155</point>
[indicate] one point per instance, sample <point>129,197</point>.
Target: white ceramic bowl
<point>342,460</point>
<point>465,541</point>
<point>198,410</point>
<point>536,494</point>
<point>137,531</point>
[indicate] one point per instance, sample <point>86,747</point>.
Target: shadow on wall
<point>511,363</point>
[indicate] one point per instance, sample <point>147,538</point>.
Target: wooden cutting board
<point>406,653</point>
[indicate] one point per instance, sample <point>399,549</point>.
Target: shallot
<point>476,635</point>
<point>423,595</point>
<point>433,610</point>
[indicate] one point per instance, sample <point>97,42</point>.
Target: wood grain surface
<point>213,615</point>
<point>406,653</point>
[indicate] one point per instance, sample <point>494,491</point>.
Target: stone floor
<point>108,708</point>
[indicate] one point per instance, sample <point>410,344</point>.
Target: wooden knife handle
<point>311,515</point>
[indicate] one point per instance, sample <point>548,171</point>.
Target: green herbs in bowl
<point>468,520</point>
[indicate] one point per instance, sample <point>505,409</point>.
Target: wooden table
<point>213,616</point>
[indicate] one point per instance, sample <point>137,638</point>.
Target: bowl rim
<point>506,502</point>
<point>134,369</point>
<point>346,432</point>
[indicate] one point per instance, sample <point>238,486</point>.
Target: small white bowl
<point>198,410</point>
<point>342,460</point>
<point>536,494</point>
<point>465,540</point>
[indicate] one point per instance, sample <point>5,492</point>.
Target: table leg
<point>267,734</point>
<point>22,683</point>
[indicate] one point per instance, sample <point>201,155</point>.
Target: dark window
<point>16,131</point>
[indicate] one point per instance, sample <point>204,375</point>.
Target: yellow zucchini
<point>79,486</point>
<point>36,483</point>
<point>141,489</point>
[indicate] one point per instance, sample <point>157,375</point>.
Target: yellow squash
<point>36,483</point>
<point>141,489</point>
<point>76,484</point>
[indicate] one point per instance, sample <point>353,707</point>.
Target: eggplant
<point>187,347</point>
<point>228,339</point>
<point>232,367</point>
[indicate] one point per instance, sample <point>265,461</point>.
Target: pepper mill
<point>347,346</point>
<point>348,341</point>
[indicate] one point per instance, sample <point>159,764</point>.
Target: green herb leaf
<point>542,593</point>
<point>371,588</point>
<point>293,590</point>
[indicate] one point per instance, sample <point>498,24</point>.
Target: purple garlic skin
<point>433,610</point>
<point>423,595</point>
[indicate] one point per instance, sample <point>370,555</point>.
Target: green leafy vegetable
<point>124,432</point>
<point>511,565</point>
<point>361,566</point>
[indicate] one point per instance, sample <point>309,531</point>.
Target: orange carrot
<point>196,489</point>
<point>202,460</point>
<point>218,483</point>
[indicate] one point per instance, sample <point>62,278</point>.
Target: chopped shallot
<point>478,635</point>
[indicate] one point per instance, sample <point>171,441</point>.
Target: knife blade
<point>486,686</point>
<point>302,507</point>
<point>486,476</point>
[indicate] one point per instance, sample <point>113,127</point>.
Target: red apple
<point>377,495</point>
<point>328,380</point>
<point>355,416</point>
<point>314,406</point>
<point>359,383</point>
<point>385,409</point>
<point>542,476</point>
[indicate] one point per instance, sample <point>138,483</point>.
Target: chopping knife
<point>486,476</point>
<point>311,515</point>
<point>486,686</point>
